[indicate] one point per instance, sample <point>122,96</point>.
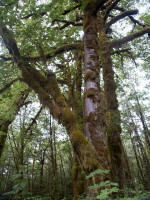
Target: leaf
<point>16,176</point>
<point>98,171</point>
<point>3,133</point>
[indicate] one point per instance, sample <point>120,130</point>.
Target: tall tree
<point>32,51</point>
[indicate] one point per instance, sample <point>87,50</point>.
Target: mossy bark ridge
<point>115,146</point>
<point>92,118</point>
<point>92,88</point>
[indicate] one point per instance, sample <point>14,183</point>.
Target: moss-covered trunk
<point>112,113</point>
<point>6,120</point>
<point>78,174</point>
<point>92,116</point>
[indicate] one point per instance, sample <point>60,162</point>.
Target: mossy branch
<point>121,16</point>
<point>120,42</point>
<point>55,52</point>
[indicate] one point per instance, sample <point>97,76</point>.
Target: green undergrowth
<point>111,190</point>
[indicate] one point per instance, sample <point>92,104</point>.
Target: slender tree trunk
<point>144,161</point>
<point>52,143</point>
<point>137,159</point>
<point>78,175</point>
<point>28,179</point>
<point>32,172</point>
<point>144,124</point>
<point>41,174</point>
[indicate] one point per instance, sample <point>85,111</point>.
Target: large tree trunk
<point>112,114</point>
<point>92,118</point>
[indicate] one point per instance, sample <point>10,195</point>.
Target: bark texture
<point>112,114</point>
<point>92,118</point>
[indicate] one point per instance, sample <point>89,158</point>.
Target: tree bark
<point>115,146</point>
<point>92,118</point>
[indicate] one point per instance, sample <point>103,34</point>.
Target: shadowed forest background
<point>74,99</point>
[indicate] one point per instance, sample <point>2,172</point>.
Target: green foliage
<point>98,171</point>
<point>2,133</point>
<point>19,188</point>
<point>109,187</point>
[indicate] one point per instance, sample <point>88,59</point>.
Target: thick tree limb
<point>135,21</point>
<point>121,16</point>
<point>118,43</point>
<point>53,53</point>
<point>64,21</point>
